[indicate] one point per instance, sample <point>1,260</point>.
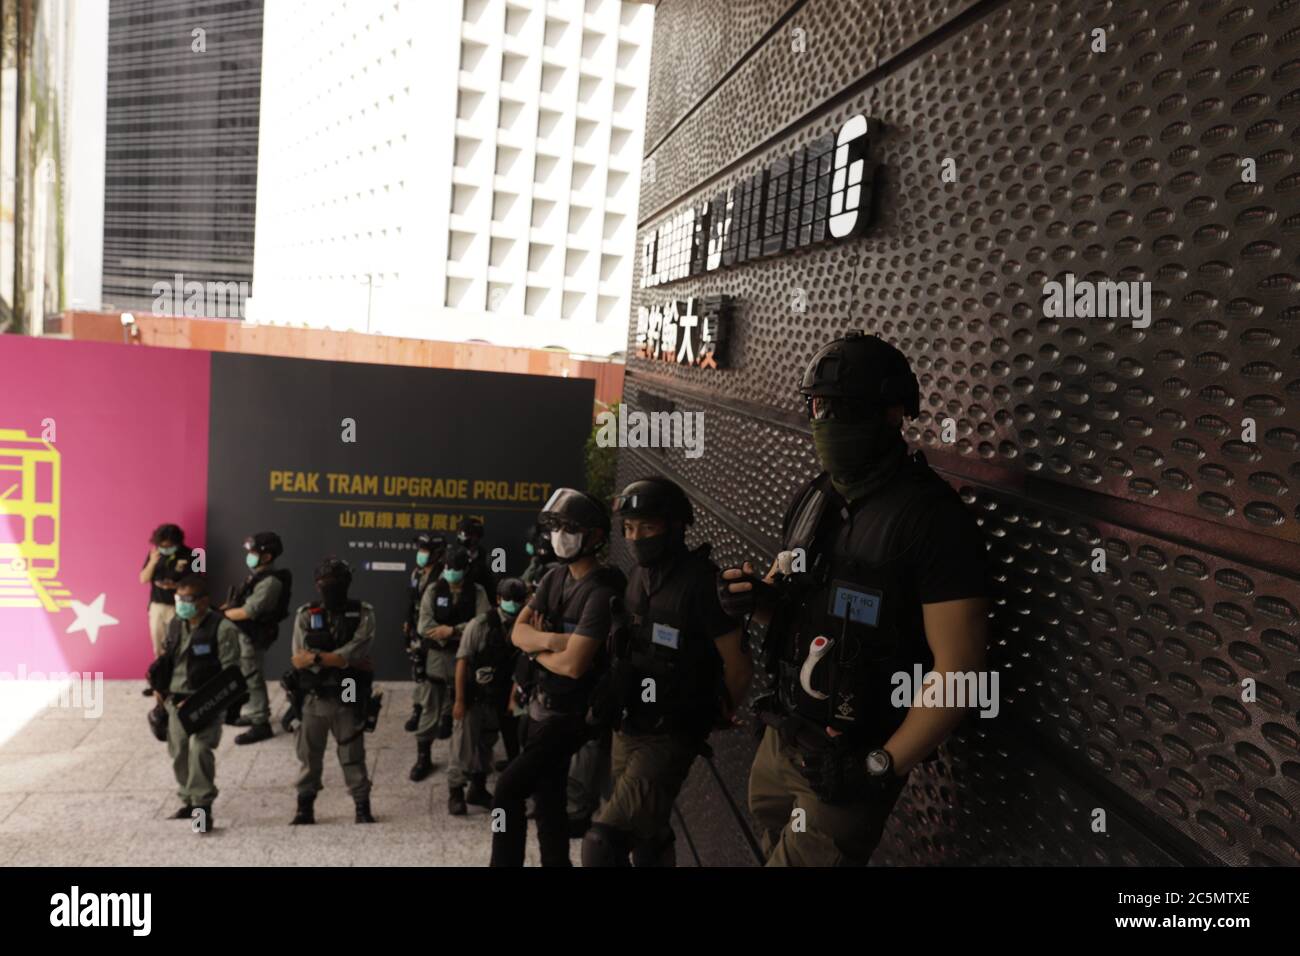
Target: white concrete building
<point>458,170</point>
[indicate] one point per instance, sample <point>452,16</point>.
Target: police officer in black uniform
<point>680,668</point>
<point>882,568</point>
<point>429,552</point>
<point>257,609</point>
<point>540,556</point>
<point>565,627</point>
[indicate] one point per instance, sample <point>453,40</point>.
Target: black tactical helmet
<point>456,558</point>
<point>433,543</point>
<point>576,507</point>
<point>866,367</point>
<point>512,589</point>
<point>654,497</point>
<point>334,569</point>
<point>265,542</point>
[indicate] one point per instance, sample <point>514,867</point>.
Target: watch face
<point>877,762</point>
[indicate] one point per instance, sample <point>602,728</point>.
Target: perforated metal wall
<point>1123,689</point>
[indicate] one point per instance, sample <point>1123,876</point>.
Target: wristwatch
<point>316,661</point>
<point>879,763</point>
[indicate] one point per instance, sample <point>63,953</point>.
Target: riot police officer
<point>540,556</point>
<point>333,677</point>
<point>565,628</point>
<point>429,552</point>
<point>200,643</point>
<point>680,668</point>
<point>449,604</point>
<point>484,665</point>
<point>470,537</point>
<point>257,609</point>
<point>882,568</point>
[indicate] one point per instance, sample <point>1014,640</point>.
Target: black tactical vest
<point>264,630</point>
<point>568,695</point>
<point>203,657</point>
<point>492,665</point>
<point>326,631</point>
<point>668,646</point>
<point>454,610</point>
<point>857,592</point>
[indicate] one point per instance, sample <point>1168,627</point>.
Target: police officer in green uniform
<point>429,552</point>
<point>449,604</point>
<point>565,627</point>
<point>331,659</point>
<point>257,608</point>
<point>470,537</point>
<point>484,665</point>
<point>200,644</point>
<point>882,568</point>
<point>680,668</point>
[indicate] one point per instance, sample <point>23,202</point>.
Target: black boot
<point>424,762</point>
<point>456,801</point>
<point>255,733</point>
<point>306,810</point>
<point>478,793</point>
<point>286,720</point>
<point>183,813</point>
<point>414,720</point>
<point>232,716</point>
<point>363,811</point>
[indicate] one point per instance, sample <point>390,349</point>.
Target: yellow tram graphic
<point>29,523</point>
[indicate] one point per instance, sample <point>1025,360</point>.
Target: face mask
<point>452,576</point>
<point>650,551</point>
<point>530,549</point>
<point>566,544</point>
<point>332,593</point>
<point>511,607</point>
<point>252,559</point>
<point>860,456</point>
<point>422,558</point>
<point>167,552</point>
<point>186,610</point>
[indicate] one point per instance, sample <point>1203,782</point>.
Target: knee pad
<point>661,851</point>
<point>604,845</point>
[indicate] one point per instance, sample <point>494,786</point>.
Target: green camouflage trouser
<point>258,707</point>
<point>194,759</point>
<point>320,718</point>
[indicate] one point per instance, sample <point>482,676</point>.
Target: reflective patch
<point>443,601</point>
<point>201,649</point>
<point>665,636</point>
<point>859,605</point>
<point>317,621</point>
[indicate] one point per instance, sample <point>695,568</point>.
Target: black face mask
<point>334,594</point>
<point>652,551</point>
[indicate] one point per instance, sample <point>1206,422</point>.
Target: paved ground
<point>98,792</point>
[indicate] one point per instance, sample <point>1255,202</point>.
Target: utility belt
<point>835,767</point>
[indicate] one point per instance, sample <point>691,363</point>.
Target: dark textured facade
<point>180,186</point>
<point>1122,689</point>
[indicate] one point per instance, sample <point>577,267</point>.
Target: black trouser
<point>541,771</point>
<point>509,725</point>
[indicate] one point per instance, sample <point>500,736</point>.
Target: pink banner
<point>99,444</point>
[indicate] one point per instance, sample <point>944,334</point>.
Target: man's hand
<point>303,659</point>
<point>458,710</point>
<point>154,554</point>
<point>741,592</point>
<point>442,632</point>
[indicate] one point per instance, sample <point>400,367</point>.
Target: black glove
<point>742,603</point>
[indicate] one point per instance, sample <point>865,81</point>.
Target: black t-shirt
<point>586,617</point>
<point>168,569</point>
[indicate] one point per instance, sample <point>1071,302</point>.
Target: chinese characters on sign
<point>690,332</point>
<point>401,520</point>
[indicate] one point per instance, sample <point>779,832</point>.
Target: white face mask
<point>566,545</point>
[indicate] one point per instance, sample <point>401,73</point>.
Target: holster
<point>833,766</point>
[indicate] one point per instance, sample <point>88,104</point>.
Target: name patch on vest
<point>665,636</point>
<point>443,601</point>
<point>858,605</point>
<point>200,649</point>
<point>317,621</point>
